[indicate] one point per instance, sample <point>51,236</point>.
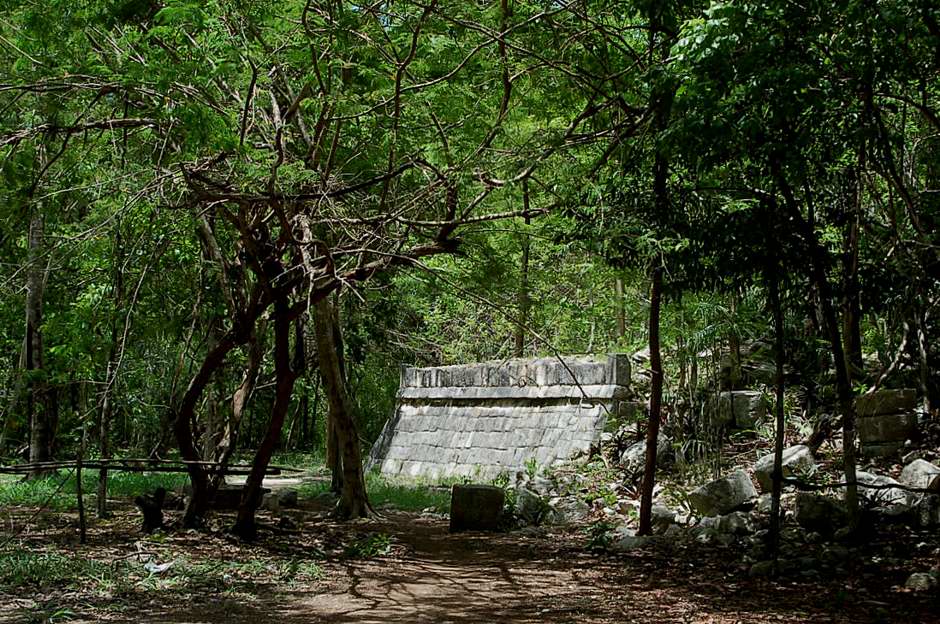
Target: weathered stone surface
<point>887,428</point>
<point>741,409</point>
<point>734,523</point>
<point>662,518</point>
<point>796,460</point>
<point>926,509</point>
<point>625,540</point>
<point>475,508</point>
<point>563,510</point>
<point>287,497</point>
<point>633,458</point>
<point>886,402</point>
<point>921,474</point>
<point>723,495</point>
<point>882,449</point>
<point>819,513</point>
<point>481,420</point>
<point>921,582</point>
<point>879,496</point>
<point>530,507</point>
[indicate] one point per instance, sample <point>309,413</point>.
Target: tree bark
<point>818,262</point>
<point>656,397</point>
<point>285,376</point>
<point>41,420</point>
<point>353,502</point>
<point>621,308</point>
<point>523,301</point>
<point>773,283</point>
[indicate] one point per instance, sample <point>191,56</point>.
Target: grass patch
<point>407,496</point>
<point>51,491</point>
<point>20,568</point>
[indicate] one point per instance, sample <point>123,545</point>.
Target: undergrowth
<point>54,494</point>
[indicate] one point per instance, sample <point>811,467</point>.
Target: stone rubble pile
<point>886,421</point>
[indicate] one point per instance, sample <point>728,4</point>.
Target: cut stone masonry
<point>480,420</point>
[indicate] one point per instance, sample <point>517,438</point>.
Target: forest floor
<point>405,567</point>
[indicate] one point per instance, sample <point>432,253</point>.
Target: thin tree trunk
<point>851,305</point>
<point>353,502</point>
<point>621,308</point>
<point>38,412</point>
<point>817,265</point>
<point>774,293</point>
<point>519,342</point>
<point>245,526</point>
<point>656,397</point>
<point>79,493</point>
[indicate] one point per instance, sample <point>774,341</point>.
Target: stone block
<point>796,459</point>
<point>741,409</point>
<point>881,449</point>
<point>887,428</point>
<point>886,402</point>
<point>921,474</point>
<point>476,508</point>
<point>723,495</point>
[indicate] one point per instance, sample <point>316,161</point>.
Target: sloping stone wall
<point>479,420</point>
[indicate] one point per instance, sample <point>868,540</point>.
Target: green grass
<point>21,568</point>
<point>407,496</point>
<point>51,492</point>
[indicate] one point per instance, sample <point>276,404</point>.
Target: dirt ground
<point>426,574</point>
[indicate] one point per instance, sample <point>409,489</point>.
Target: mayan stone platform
<point>480,420</point>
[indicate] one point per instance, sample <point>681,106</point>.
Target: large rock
<point>882,495</point>
<point>723,495</point>
<point>633,459</point>
<point>921,582</point>
<point>475,508</point>
<point>530,507</point>
<point>926,508</point>
<point>741,409</point>
<point>567,510</point>
<point>796,460</point>
<point>886,402</point>
<point>887,428</point>
<point>819,513</point>
<point>921,474</point>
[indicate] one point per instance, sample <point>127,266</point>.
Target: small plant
<point>599,535</point>
<point>372,545</point>
<point>531,467</point>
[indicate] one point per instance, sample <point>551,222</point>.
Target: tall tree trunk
<point>773,283</point>
<point>621,308</point>
<point>285,376</point>
<point>41,420</point>
<point>523,300</point>
<point>851,305</point>
<point>353,502</point>
<point>228,441</point>
<point>656,398</point>
<point>818,263</point>
<point>106,407</point>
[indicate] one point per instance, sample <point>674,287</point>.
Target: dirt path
<point>433,576</point>
<point>430,575</point>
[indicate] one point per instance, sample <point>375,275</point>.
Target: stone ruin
<point>480,420</point>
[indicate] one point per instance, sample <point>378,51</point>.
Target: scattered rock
<point>270,502</point>
<point>796,460</point>
<point>819,513</point>
<point>662,518</point>
<point>633,459</point>
<point>530,507</point>
<point>880,497</point>
<point>475,507</point>
<point>926,510</point>
<point>625,540</point>
<point>886,428</point>
<point>921,581</point>
<point>886,402</point>
<point>921,474</point>
<point>287,497</point>
<point>567,510</point>
<point>723,495</point>
<point>734,523</point>
<point>742,409</point>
